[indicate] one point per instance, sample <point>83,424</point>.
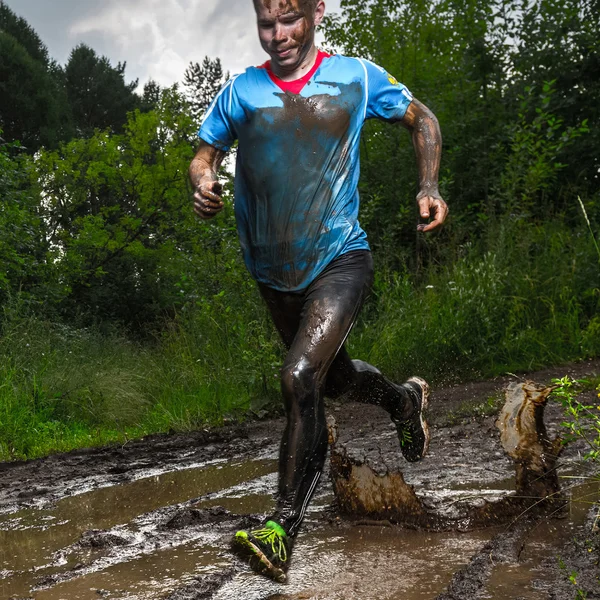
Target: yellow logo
<point>392,80</point>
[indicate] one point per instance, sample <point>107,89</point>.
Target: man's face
<point>286,29</point>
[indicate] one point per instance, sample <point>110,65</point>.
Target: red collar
<point>295,87</point>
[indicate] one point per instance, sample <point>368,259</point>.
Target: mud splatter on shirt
<point>296,198</point>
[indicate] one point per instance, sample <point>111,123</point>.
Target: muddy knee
<point>300,379</point>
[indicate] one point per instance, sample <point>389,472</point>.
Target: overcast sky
<point>157,38</point>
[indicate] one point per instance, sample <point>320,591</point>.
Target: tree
<point>559,42</point>
<point>151,96</point>
<point>473,62</point>
<point>20,30</point>
<point>446,55</point>
<point>202,82</point>
<point>33,108</point>
<point>97,92</point>
<point>29,98</point>
<point>22,239</point>
<point>121,229</point>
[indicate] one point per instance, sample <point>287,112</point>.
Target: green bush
<point>528,299</point>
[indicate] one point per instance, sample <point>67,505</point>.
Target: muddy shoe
<point>413,431</point>
<point>267,550</point>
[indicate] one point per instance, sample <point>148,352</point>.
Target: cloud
<point>157,38</point>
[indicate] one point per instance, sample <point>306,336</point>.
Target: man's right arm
<point>203,176</point>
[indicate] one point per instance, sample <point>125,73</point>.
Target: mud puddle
<point>530,578</point>
<point>27,536</point>
<point>391,563</point>
<point>41,542</point>
<point>332,561</point>
<point>148,577</point>
<point>364,563</point>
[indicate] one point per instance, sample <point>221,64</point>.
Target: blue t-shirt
<point>297,170</point>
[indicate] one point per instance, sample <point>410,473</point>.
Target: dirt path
<point>151,519</point>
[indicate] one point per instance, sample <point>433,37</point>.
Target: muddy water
<point>149,576</point>
<point>330,562</point>
<point>365,563</point>
<point>30,538</point>
<point>26,537</point>
<point>529,580</point>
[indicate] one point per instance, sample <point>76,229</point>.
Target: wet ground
<point>152,519</point>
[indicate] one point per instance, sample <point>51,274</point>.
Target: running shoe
<point>413,431</point>
<point>266,550</point>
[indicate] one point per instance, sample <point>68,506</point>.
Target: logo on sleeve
<point>392,79</point>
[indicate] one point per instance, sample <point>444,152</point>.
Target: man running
<point>298,119</point>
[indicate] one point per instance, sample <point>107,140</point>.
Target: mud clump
<point>524,438</point>
<point>368,482</point>
<point>360,491</point>
<point>32,493</point>
<point>96,538</point>
<point>203,587</point>
<point>190,517</point>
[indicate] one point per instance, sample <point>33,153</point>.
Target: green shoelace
<point>273,535</point>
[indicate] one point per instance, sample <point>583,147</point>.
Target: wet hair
<point>310,5</point>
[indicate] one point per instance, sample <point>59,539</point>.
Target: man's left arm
<point>427,140</point>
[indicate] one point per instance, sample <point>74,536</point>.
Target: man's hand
<point>203,175</point>
<point>207,199</point>
<point>431,205</point>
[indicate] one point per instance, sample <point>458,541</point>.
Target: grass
<point>527,300</point>
<point>582,415</point>
<point>64,388</point>
<point>530,299</point>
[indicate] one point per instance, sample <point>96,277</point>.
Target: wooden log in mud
<point>370,487</point>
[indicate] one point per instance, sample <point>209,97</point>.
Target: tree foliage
<point>202,82</point>
<point>115,208</point>
<point>33,109</point>
<point>98,94</point>
<point>150,96</point>
<point>514,84</point>
<point>43,104</point>
<point>121,235</point>
<point>22,240</point>
<point>24,34</point>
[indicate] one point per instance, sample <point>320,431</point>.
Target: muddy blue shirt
<point>297,169</point>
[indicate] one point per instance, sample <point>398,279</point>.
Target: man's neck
<point>303,68</point>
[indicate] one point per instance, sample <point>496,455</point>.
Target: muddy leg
<point>329,309</point>
<point>365,383</point>
<point>362,381</point>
